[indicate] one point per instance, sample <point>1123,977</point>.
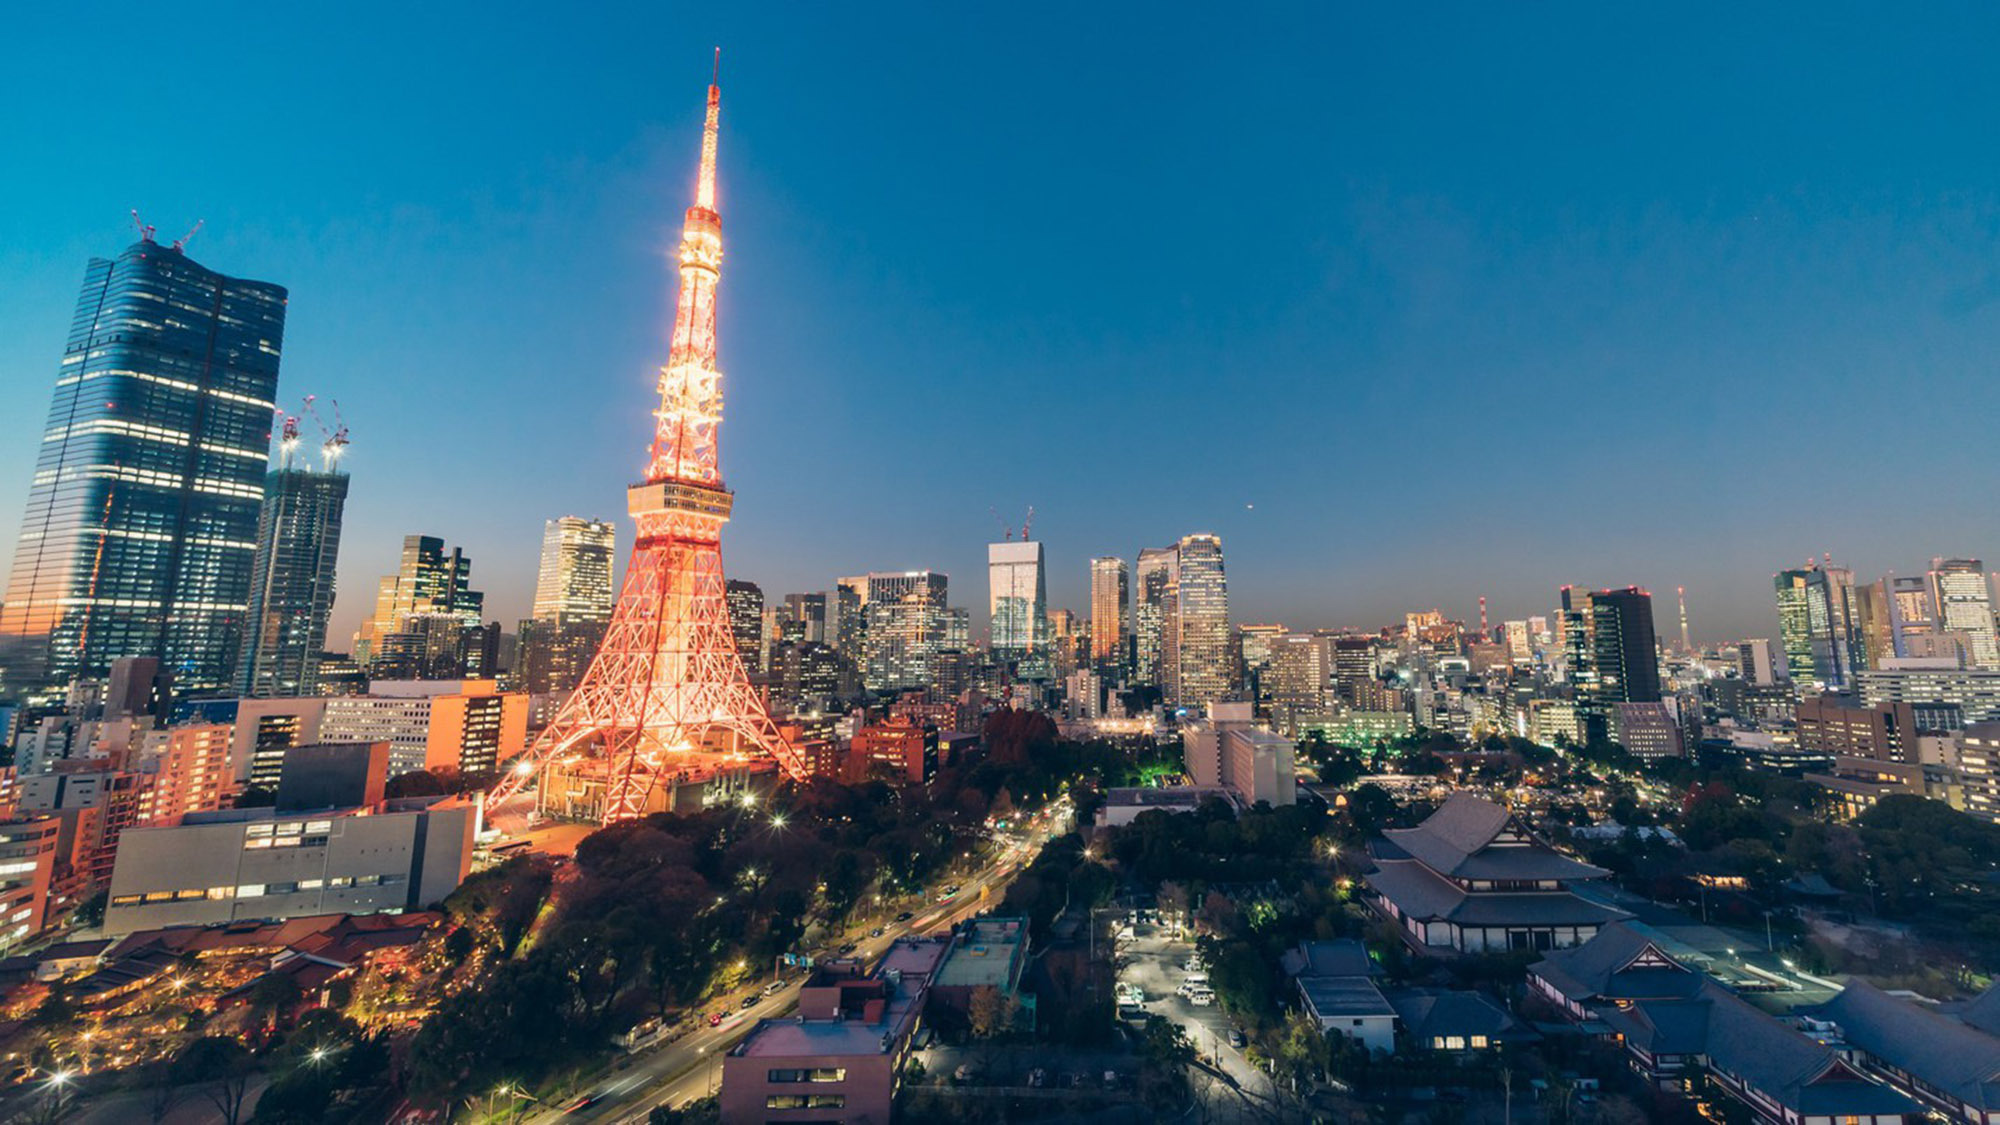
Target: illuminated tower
<point>666,697</point>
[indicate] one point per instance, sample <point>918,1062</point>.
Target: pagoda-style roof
<point>1622,962</point>
<point>1944,1051</point>
<point>1470,837</point>
<point>1420,893</point>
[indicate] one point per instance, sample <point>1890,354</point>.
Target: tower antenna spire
<point>704,190</point>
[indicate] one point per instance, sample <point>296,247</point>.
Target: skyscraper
<point>574,581</point>
<point>572,605</point>
<point>1110,615</point>
<point>746,620</point>
<point>908,625</point>
<point>1819,625</point>
<point>1795,625</point>
<point>291,593</point>
<point>1964,605</point>
<point>1625,656</point>
<point>141,523</point>
<point>1158,570</point>
<point>1198,663</point>
<point>428,583</point>
<point>1018,601</point>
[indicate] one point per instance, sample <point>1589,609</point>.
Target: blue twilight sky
<point>1477,299</point>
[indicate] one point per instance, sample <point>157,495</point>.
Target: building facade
<point>1110,616</point>
<point>141,522</point>
<point>291,589</point>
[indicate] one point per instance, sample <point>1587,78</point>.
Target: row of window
<point>806,1101</point>
<point>809,1074</point>
<point>260,890</point>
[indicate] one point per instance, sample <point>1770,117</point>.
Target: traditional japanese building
<point>1940,1054</point>
<point>1472,879</point>
<point>1675,1022</point>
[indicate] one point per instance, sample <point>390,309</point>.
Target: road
<point>689,1067</point>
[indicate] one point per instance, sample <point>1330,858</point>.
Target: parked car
<point>750,1001</point>
<point>1038,1078</point>
<point>1202,998</point>
<point>1236,1038</point>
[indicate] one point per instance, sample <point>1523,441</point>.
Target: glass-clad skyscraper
<point>142,517</point>
<point>1018,599</point>
<point>291,589</point>
<point>1197,635</point>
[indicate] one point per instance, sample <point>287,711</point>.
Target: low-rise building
<point>840,1058</point>
<point>1932,1053</point>
<point>466,725</point>
<point>1854,785</point>
<point>991,953</point>
<point>235,865</point>
<point>1675,1021</point>
<point>27,865</point>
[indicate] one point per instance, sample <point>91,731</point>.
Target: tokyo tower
<point>666,697</point>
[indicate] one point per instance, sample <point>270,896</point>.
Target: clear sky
<point>1477,299</point>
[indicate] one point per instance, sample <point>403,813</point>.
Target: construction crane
<point>288,438</point>
<point>1006,531</point>
<point>1027,523</point>
<point>181,242</point>
<point>335,441</point>
<point>145,231</point>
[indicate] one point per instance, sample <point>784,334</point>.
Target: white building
<point>1228,750</point>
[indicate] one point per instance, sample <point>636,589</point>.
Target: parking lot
<point>1153,960</point>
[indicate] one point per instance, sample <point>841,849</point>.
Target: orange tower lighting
<point>666,695</point>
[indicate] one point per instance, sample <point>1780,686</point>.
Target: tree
<point>416,783</point>
<point>991,1012</point>
<point>222,1068</point>
<point>1165,1054</point>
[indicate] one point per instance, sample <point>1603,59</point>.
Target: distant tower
<point>666,695</point>
<point>1681,592</point>
<point>291,581</point>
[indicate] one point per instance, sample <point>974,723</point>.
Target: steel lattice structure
<point>666,693</point>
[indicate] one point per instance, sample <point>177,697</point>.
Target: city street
<point>689,1068</point>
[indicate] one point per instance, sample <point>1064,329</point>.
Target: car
<point>1038,1078</point>
<point>846,948</point>
<point>750,1001</point>
<point>583,1103</point>
<point>715,1018</point>
<point>877,932</point>
<point>774,988</point>
<point>904,916</point>
<point>1236,1038</point>
<point>1202,998</point>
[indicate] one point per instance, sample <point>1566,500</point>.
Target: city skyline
<point>1598,260</point>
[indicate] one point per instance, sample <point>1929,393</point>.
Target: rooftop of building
<point>905,971</point>
<point>1925,1040</point>
<point>1470,837</point>
<point>1166,796</point>
<point>1420,893</point>
<point>1344,997</point>
<point>988,954</point>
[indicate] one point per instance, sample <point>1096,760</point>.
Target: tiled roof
<point>1420,894</point>
<point>1602,967</point>
<point>1959,1058</point>
<point>1431,1012</point>
<point>1458,840</point>
<point>1982,1011</point>
<point>1344,997</point>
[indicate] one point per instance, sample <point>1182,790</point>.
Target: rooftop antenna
<point>145,231</point>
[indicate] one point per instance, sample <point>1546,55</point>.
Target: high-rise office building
<point>1110,614</point>
<point>1018,600</point>
<point>1197,660</point>
<point>908,625</point>
<point>1158,570</point>
<point>1964,605</point>
<point>1912,613</point>
<point>428,583</point>
<point>573,599</point>
<point>1795,625</point>
<point>574,582</point>
<point>1625,656</point>
<point>141,522</point>
<point>291,592</point>
<point>746,620</point>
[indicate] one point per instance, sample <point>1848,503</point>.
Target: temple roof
<point>1958,1058</point>
<point>1470,837</point>
<point>1418,892</point>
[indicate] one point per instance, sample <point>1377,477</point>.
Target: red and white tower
<point>666,696</point>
